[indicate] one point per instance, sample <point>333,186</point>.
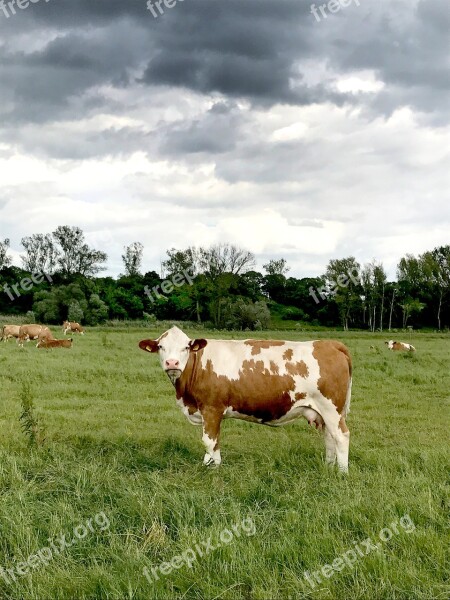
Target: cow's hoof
<point>210,464</point>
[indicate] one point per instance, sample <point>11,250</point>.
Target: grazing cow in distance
<point>73,327</point>
<point>400,346</point>
<point>33,332</point>
<point>271,382</point>
<point>50,344</point>
<point>10,331</point>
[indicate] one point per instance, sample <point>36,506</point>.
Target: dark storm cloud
<point>252,50</point>
<point>217,132</point>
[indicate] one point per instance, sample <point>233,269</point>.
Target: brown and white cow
<point>50,344</point>
<point>33,332</point>
<point>73,327</point>
<point>264,381</point>
<point>402,346</point>
<point>10,331</point>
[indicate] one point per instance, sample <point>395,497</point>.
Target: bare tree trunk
<point>439,310</point>
<point>382,310</point>
<point>392,308</point>
<point>405,317</point>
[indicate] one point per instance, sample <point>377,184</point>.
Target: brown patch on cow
<point>299,368</point>
<point>211,425</point>
<point>288,354</point>
<point>258,392</point>
<point>274,367</point>
<point>258,345</point>
<point>300,396</point>
<point>343,425</point>
<point>334,360</point>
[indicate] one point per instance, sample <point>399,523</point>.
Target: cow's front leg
<point>211,432</point>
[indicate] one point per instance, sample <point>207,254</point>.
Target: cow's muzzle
<point>173,374</point>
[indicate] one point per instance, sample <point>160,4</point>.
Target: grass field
<point>121,467</point>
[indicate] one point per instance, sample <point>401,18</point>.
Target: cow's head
<point>174,348</point>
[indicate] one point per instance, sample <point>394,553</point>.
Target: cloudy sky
<point>243,121</point>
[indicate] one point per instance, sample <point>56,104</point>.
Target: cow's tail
<point>346,409</point>
<point>342,348</point>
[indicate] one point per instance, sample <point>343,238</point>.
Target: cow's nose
<point>172,363</point>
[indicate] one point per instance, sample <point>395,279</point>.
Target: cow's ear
<point>149,345</point>
<point>198,344</point>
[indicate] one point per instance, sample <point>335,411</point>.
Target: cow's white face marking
<point>173,348</point>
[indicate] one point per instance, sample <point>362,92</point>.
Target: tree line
<point>224,289</point>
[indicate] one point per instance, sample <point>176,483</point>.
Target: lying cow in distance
<point>10,331</point>
<point>263,381</point>
<point>34,332</point>
<point>400,346</point>
<point>72,327</point>
<point>50,344</point>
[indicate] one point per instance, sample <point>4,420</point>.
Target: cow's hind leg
<point>330,447</point>
<point>210,438</point>
<point>342,445</point>
<point>337,442</point>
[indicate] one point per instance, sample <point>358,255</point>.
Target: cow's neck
<point>184,383</point>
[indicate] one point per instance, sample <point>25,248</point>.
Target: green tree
<point>40,253</point>
<point>97,311</point>
<point>75,312</point>
<point>5,260</point>
<point>277,267</point>
<point>373,281</point>
<point>436,269</point>
<point>74,256</point>
<point>341,278</point>
<point>132,259</point>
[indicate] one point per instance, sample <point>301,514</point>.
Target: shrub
<point>247,315</point>
<point>75,312</point>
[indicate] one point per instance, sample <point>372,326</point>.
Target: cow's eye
<point>160,347</point>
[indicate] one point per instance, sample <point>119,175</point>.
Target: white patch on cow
<point>342,445</point>
<point>211,456</point>
<point>330,448</point>
<point>195,418</point>
<point>226,357</point>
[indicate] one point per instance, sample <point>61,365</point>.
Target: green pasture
<point>111,446</point>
